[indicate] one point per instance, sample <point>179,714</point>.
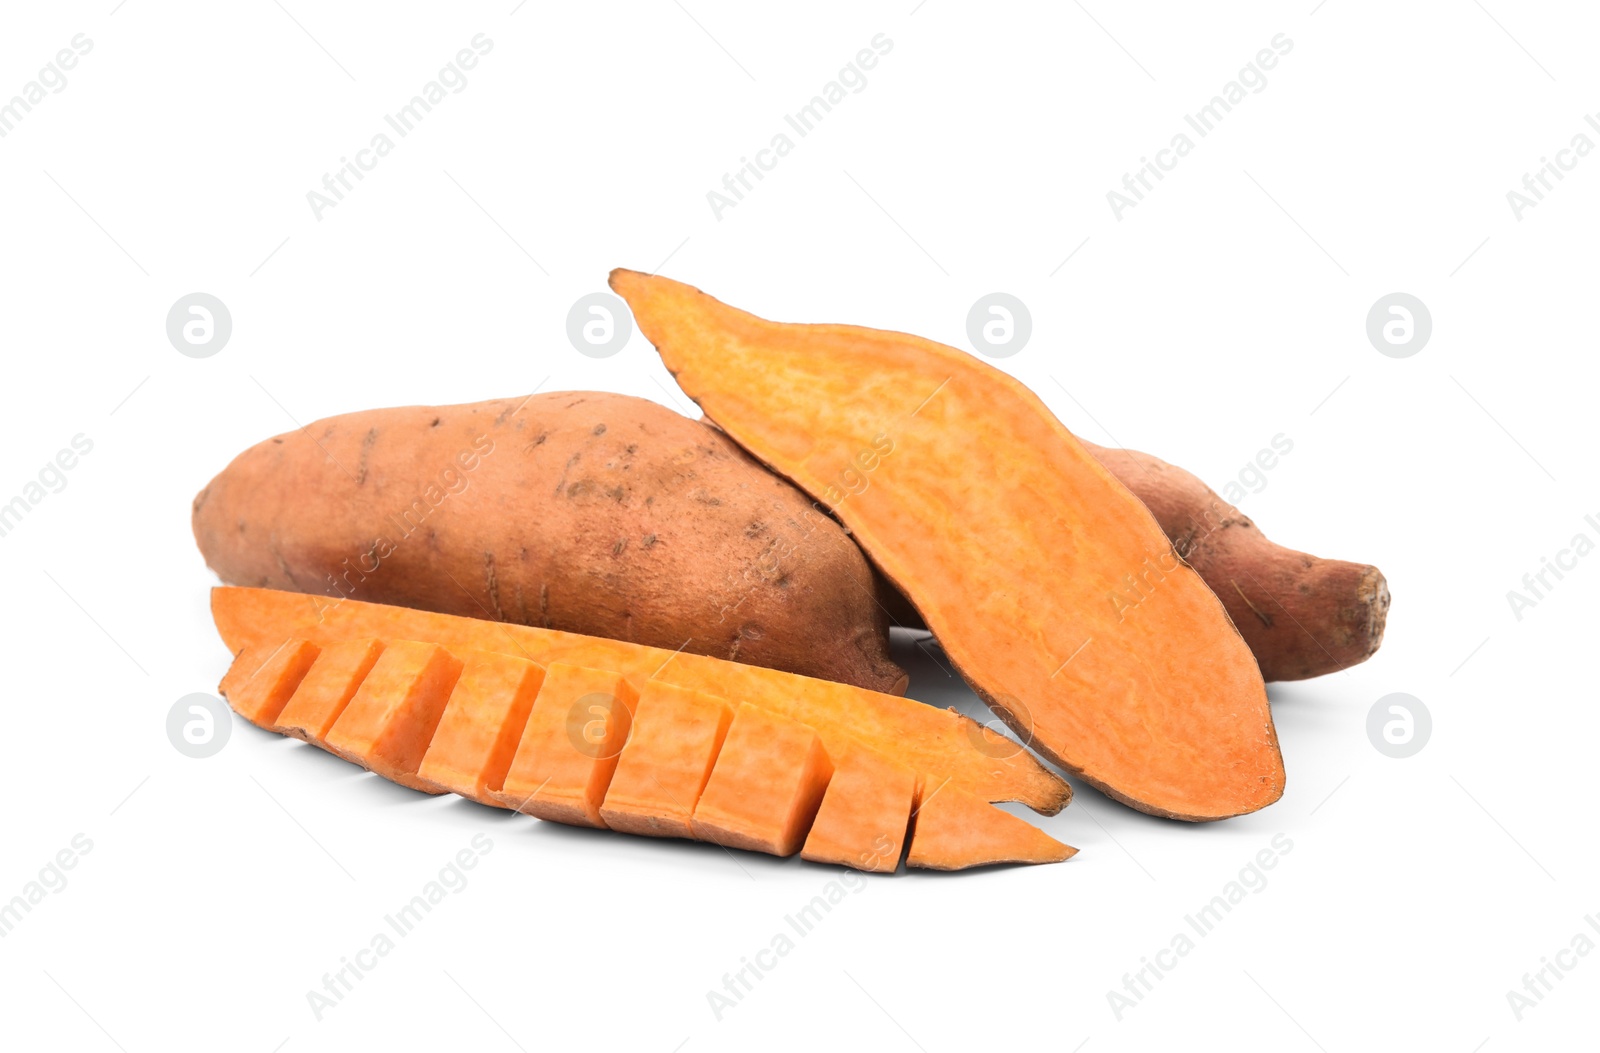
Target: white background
<point>1226,308</point>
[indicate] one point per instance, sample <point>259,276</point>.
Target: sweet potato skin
<point>591,513</point>
<point>1302,616</point>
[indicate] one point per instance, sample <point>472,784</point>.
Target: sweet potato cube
<point>765,786</point>
<point>327,688</point>
<point>569,748</point>
<point>863,819</point>
<point>477,736</point>
<point>245,664</point>
<point>390,719</point>
<point>676,736</point>
<point>954,830</point>
<point>259,685</point>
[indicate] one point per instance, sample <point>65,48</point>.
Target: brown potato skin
<point>581,511</point>
<point>1302,616</point>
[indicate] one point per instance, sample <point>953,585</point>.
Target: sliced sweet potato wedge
<point>328,686</point>
<point>676,736</point>
<point>261,695</point>
<point>864,815</point>
<point>415,707</point>
<point>934,741</point>
<point>482,723</point>
<point>390,720</point>
<point>953,830</point>
<point>1051,587</point>
<point>569,746</point>
<point>765,786</point>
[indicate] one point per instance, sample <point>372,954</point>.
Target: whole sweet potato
<point>591,513</point>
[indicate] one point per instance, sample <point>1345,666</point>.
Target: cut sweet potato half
<point>766,785</point>
<point>864,815</point>
<point>570,746</point>
<point>390,720</point>
<point>482,723</point>
<point>953,830</point>
<point>676,736</point>
<point>771,785</point>
<point>934,741</point>
<point>327,688</point>
<point>1050,586</point>
<point>259,691</point>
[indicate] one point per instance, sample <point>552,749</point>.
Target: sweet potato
<point>328,686</point>
<point>935,742</point>
<point>663,769</point>
<point>756,787</point>
<point>953,830</point>
<point>590,513</point>
<point>392,716</point>
<point>569,746</point>
<point>266,679</point>
<point>1302,616</point>
<point>766,785</point>
<point>1050,586</point>
<point>477,737</point>
<point>865,814</point>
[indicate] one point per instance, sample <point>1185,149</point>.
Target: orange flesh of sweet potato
<point>765,786</point>
<point>773,784</point>
<point>1301,615</point>
<point>676,736</point>
<point>246,662</point>
<point>953,830</point>
<point>391,718</point>
<point>936,742</point>
<point>569,746</point>
<point>1051,587</point>
<point>864,815</point>
<point>482,723</point>
<point>327,688</point>
<point>261,696</point>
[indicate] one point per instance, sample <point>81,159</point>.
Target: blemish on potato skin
<point>618,547</point>
<point>436,422</point>
<point>366,449</point>
<point>649,541</point>
<point>599,429</point>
